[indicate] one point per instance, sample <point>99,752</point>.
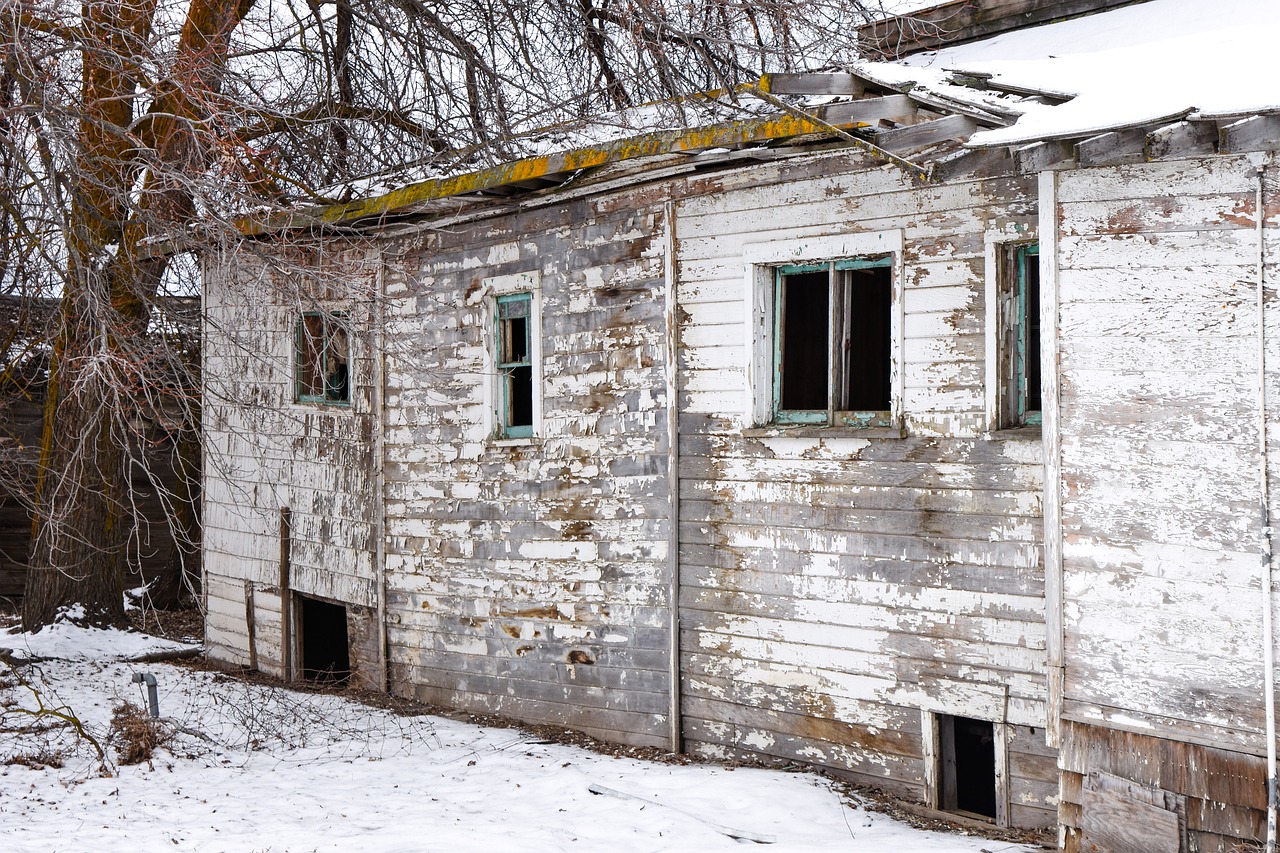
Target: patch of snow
<point>254,767</point>
<point>67,641</point>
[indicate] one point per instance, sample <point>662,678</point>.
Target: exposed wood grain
<point>1108,149</point>
<point>1115,824</point>
<point>1044,156</point>
<point>1181,139</point>
<point>926,133</point>
<point>815,84</point>
<point>1256,133</point>
<point>964,20</point>
<point>869,110</point>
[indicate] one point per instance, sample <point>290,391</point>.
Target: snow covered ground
<point>258,768</point>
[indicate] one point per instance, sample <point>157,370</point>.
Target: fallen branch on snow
<point>735,834</point>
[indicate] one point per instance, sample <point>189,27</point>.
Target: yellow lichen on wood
<point>742,132</point>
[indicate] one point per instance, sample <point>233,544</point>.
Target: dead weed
<point>135,734</point>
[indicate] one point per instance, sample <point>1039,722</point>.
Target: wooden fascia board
<point>407,199</point>
<point>813,84</point>
<point>965,21</point>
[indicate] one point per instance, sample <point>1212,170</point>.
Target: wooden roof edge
<point>1179,135</point>
<point>405,199</point>
<point>963,21</point>
<point>788,123</point>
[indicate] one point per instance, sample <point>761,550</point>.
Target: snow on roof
<point>1130,66</point>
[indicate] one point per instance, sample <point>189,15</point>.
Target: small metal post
<point>153,698</point>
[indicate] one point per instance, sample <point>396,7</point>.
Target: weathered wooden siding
<point>264,453</point>
<point>1159,448</point>
<point>1161,488</point>
<point>151,544</point>
<point>530,577</point>
<point>1222,793</point>
<point>835,585</point>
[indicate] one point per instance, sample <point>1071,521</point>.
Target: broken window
<point>833,343</point>
<point>1019,336</point>
<point>514,361</point>
<point>966,766</point>
<point>322,359</point>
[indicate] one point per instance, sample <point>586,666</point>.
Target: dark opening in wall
<point>967,766</point>
<point>323,640</point>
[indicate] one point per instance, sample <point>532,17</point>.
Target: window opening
<point>833,343</point>
<point>967,766</point>
<point>323,629</point>
<point>323,360</point>
<point>1021,336</point>
<point>515,365</point>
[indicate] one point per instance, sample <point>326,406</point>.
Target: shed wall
<point>264,452</point>
<point>1161,488</point>
<point>1160,485</point>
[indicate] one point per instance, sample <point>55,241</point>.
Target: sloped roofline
<point>852,107</point>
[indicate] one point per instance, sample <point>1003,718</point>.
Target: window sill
<point>1022,433</point>
<point>515,442</point>
<point>821,431</point>
<point>322,406</point>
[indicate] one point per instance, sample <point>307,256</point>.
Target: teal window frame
<point>831,416</point>
<point>1026,360</point>
<point>512,357</point>
<point>312,353</point>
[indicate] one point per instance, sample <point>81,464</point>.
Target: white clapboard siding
<point>531,578</point>
<point>823,577</point>
<point>1159,457</point>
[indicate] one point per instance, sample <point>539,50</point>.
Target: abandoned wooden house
<point>916,423</point>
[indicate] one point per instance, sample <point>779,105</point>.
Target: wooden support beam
<point>1256,133</point>
<point>1109,149</point>
<point>250,625</point>
<point>966,20</point>
<point>1181,138</point>
<point>926,133</point>
<point>974,163</point>
<point>1047,156</point>
<point>286,594</point>
<point>868,111</point>
<point>813,84</point>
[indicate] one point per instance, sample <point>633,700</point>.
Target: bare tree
<point>134,130</point>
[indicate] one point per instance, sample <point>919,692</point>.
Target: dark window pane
<point>1031,277</point>
<point>803,370</point>
<point>868,368</point>
<point>310,356</point>
<point>336,364</point>
<point>520,397</point>
<point>515,339</point>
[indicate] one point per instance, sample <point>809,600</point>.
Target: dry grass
<point>135,734</point>
<point>38,760</point>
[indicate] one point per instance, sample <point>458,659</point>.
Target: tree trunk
<point>83,518</point>
<point>181,580</point>
<point>78,537</point>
